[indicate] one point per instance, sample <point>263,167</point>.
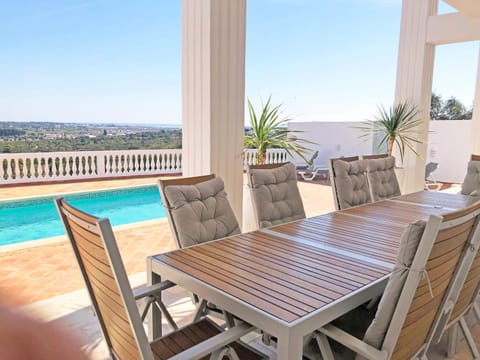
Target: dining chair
<point>430,255</point>
<point>275,195</point>
<point>381,177</point>
<point>472,178</point>
<point>197,209</point>
<point>461,298</point>
<point>105,277</point>
<point>349,183</point>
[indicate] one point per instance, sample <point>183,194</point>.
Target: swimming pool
<point>37,218</point>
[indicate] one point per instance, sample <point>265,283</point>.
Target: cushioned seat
<point>472,179</point>
<point>349,183</point>
<point>382,178</point>
<point>198,209</point>
<point>275,194</point>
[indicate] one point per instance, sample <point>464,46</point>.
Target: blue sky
<point>119,61</point>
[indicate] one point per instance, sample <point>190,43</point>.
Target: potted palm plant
<point>269,130</point>
<point>397,125</point>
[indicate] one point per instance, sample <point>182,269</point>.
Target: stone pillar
<point>476,115</point>
<point>213,91</point>
<point>414,82</point>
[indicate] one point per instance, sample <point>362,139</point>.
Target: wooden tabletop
<point>436,199</point>
<point>296,269</point>
<point>285,278</point>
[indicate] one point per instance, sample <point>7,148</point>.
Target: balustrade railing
<point>53,166</point>
<point>18,168</point>
<point>274,156</point>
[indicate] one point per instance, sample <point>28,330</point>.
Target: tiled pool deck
<point>44,271</point>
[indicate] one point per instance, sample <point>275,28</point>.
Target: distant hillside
<point>51,137</point>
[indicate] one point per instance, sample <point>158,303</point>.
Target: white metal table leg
<point>452,340</point>
<point>155,315</point>
<point>290,347</point>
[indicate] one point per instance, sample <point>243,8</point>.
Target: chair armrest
<point>350,341</point>
<point>152,290</point>
<point>208,346</point>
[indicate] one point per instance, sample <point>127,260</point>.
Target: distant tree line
<point>450,109</point>
<point>163,139</point>
<point>11,132</point>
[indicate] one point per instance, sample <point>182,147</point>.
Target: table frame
<point>290,335</point>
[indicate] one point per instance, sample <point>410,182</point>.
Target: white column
<point>476,115</point>
<point>414,81</point>
<point>213,91</point>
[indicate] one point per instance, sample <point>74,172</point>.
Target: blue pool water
<point>37,218</point>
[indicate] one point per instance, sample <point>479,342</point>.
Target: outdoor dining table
<point>291,279</point>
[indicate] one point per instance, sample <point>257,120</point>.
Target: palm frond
<point>269,130</point>
<point>400,122</point>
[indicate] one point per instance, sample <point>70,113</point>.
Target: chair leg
<point>158,302</point>
<point>452,341</point>
<point>266,338</point>
<point>476,311</point>
<point>324,346</point>
<point>200,310</point>
<point>468,337</point>
<point>149,301</point>
<point>227,351</point>
<point>229,320</point>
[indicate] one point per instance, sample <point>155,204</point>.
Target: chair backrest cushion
<point>382,179</point>
<point>472,179</point>
<point>201,212</point>
<point>377,330</point>
<point>275,195</point>
<point>473,197</point>
<point>351,183</point>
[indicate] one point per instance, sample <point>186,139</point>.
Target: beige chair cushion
<point>472,179</point>
<point>408,247</point>
<point>473,197</point>
<point>382,179</point>
<point>201,212</point>
<point>275,195</point>
<point>351,183</point>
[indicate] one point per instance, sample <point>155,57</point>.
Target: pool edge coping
<point>80,192</point>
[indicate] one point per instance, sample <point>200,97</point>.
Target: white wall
<point>449,145</point>
<point>333,139</point>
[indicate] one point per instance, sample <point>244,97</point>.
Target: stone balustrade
<point>19,168</point>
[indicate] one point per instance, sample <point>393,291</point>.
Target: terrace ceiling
<point>470,8</point>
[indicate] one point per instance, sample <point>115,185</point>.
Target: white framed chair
<point>101,265</point>
<point>198,211</point>
<point>348,179</point>
<point>411,307</point>
<point>461,298</point>
<point>275,195</point>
